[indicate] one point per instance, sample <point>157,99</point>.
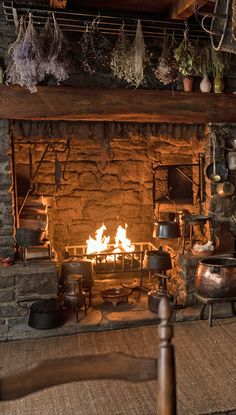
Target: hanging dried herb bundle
<point>128,61</point>
<point>119,54</point>
<point>26,57</point>
<point>139,55</point>
<point>57,58</point>
<point>95,49</point>
<point>167,68</point>
<point>12,76</point>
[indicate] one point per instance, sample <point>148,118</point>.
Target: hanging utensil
<point>225,189</point>
<point>214,176</point>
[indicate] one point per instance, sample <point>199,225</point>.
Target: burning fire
<point>100,243</point>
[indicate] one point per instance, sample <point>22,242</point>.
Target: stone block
<point>11,310</point>
<point>3,332</point>
<point>6,296</point>
<point>88,180</point>
<point>7,241</point>
<point>37,283</point>
<point>110,182</point>
<point>6,231</point>
<point>7,281</point>
<point>6,252</point>
<point>69,203</point>
<point>100,212</point>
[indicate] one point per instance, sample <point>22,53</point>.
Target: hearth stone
<point>20,286</point>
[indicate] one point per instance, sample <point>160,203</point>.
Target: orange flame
<point>100,243</point>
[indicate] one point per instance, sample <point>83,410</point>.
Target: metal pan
<point>221,170</point>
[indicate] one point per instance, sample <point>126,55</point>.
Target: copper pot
<point>216,277</point>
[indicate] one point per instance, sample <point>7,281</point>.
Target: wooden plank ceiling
<point>173,9</point>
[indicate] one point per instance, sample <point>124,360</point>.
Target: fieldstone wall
<point>104,177</point>
<point>6,197</point>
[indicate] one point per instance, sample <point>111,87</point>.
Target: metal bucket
<point>29,237</point>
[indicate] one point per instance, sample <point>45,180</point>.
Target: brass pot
<point>216,277</point>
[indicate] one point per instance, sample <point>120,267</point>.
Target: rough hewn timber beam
<point>93,104</point>
<point>183,9</point>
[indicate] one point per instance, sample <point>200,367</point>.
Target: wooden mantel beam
<point>93,104</point>
<point>183,9</point>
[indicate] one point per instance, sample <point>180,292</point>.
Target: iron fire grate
<point>112,262</point>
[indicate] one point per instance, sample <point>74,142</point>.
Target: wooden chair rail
<point>119,366</point>
<point>54,372</point>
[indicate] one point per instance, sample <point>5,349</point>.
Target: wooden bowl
<point>116,295</point>
<point>202,253</point>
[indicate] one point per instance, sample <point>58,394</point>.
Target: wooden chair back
<point>120,366</point>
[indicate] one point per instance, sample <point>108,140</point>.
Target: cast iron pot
<point>82,267</point>
<point>29,237</point>
<point>216,277</point>
<point>45,314</point>
<point>158,260</point>
<point>166,229</point>
<point>154,298</point>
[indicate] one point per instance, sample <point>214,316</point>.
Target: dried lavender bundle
<point>119,54</point>
<point>12,76</point>
<point>27,58</point>
<point>56,60</point>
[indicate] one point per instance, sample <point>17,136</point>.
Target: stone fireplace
<point>90,173</point>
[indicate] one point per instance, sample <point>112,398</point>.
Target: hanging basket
<point>221,30</point>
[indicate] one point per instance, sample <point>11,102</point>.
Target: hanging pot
<point>29,237</point>
<point>158,260</point>
<point>166,229</point>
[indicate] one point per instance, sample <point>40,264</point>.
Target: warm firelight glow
<point>100,243</point>
<point>122,240</point>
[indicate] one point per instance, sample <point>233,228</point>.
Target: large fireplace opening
<point>73,179</point>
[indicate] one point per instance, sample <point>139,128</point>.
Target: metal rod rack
<point>71,21</point>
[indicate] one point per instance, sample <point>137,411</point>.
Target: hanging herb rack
<point>73,21</point>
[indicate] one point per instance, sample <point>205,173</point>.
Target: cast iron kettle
<point>166,229</point>
<point>155,296</point>
<point>45,314</point>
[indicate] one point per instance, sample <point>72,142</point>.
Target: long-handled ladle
<point>214,177</point>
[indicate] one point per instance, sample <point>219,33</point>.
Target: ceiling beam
<point>183,9</point>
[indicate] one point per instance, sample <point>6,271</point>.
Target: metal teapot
<point>155,296</point>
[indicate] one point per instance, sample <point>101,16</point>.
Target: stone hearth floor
<point>104,316</point>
